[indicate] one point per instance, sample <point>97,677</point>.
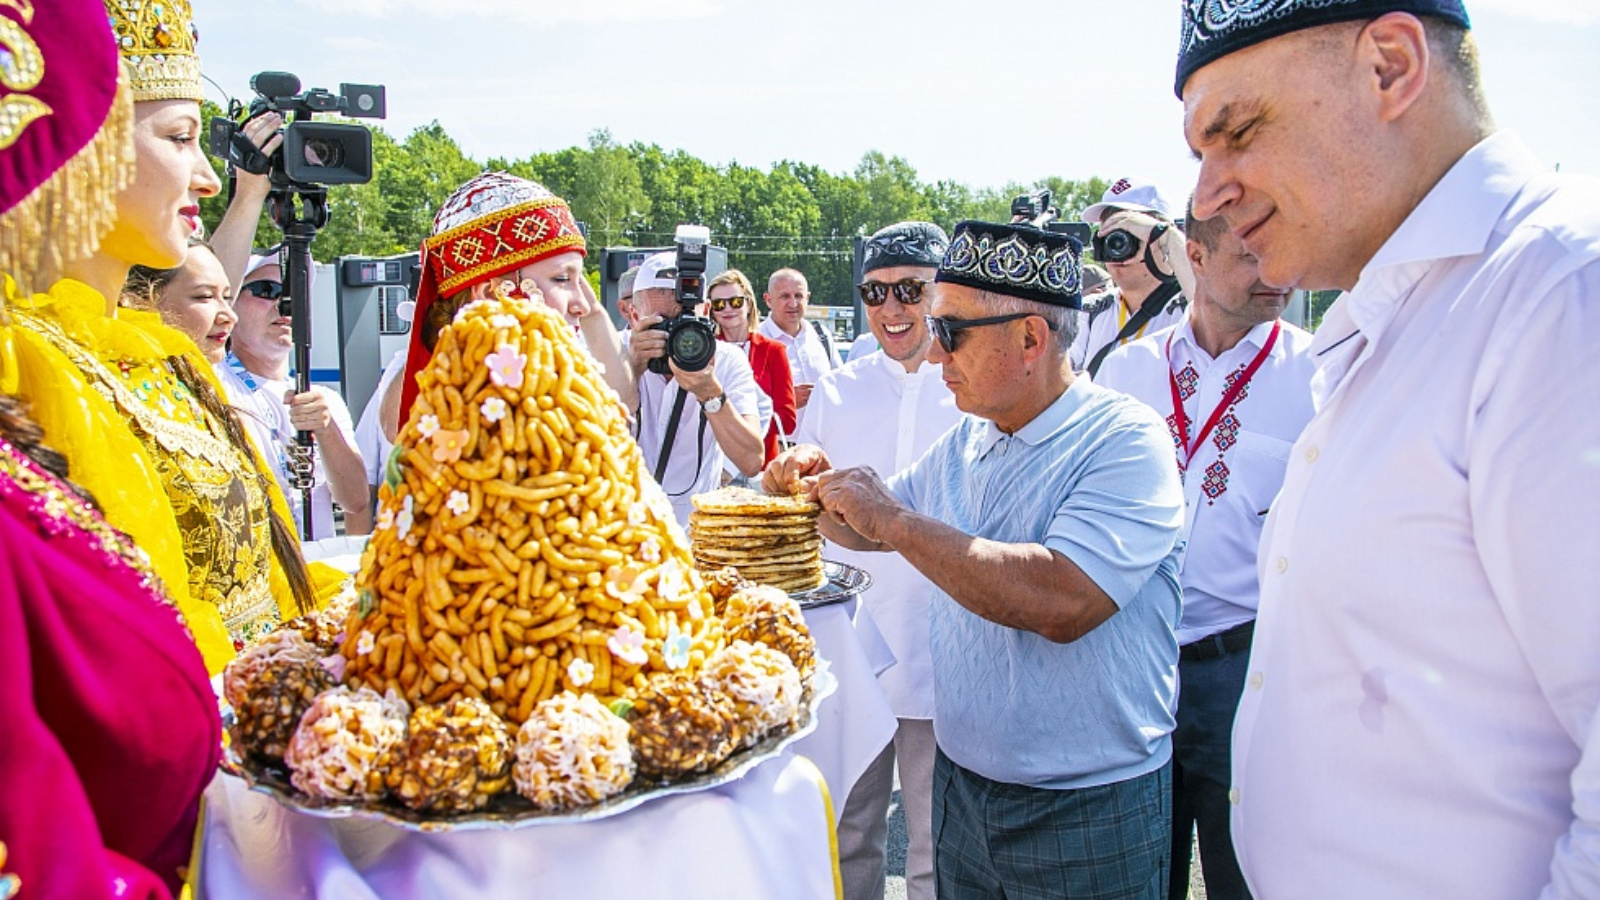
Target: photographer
<point>685,444</point>
<point>1144,251</point>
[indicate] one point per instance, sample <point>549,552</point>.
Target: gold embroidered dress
<point>159,464</point>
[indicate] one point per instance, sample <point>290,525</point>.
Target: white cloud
<point>537,12</point>
<point>1560,12</point>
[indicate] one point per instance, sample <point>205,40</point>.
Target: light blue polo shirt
<point>1092,477</point>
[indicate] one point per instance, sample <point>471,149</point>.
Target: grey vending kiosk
<point>616,260</point>
<point>373,323</point>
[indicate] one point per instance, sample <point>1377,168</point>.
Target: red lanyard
<point>1187,450</point>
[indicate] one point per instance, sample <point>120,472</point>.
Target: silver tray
<point>841,583</point>
<point>509,811</point>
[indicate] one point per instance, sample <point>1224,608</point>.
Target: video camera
<point>691,339</point>
<point>313,153</point>
<point>1038,209</point>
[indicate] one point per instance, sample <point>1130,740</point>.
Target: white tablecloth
<point>855,723</point>
<point>767,835</point>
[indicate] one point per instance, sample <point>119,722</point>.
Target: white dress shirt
<point>1104,328</point>
<point>693,467</point>
<point>809,360</point>
<point>872,412</point>
<point>266,418</point>
<point>1419,719</point>
<point>1229,483</point>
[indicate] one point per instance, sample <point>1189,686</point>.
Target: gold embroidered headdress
<point>157,41</point>
<point>65,136</point>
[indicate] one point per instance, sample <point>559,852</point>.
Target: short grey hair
<point>1063,320</point>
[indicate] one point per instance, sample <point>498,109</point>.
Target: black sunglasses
<point>1120,245</point>
<point>266,290</point>
<point>907,290</point>
<point>718,304</point>
<point>947,331</point>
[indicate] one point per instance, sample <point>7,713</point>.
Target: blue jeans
<point>1012,842</point>
<point>1202,770</point>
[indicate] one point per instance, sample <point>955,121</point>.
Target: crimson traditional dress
<point>109,729</point>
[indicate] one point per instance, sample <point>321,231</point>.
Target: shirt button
<point>1312,453</point>
<point>1282,565</point>
<point>1256,679</point>
<point>1233,796</point>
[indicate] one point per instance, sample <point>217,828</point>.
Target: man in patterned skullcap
<point>1420,714</point>
<point>1047,521</point>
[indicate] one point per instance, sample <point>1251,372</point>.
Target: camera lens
<point>692,345</point>
<point>1118,246</point>
<point>321,153</point>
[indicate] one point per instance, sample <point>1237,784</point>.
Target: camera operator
<point>1144,251</point>
<point>721,423</point>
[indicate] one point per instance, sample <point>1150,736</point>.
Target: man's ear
<point>1394,49</point>
<point>1196,252</point>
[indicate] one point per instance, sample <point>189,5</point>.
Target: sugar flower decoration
<point>493,409</point>
<point>670,585</point>
<point>580,672</point>
<point>675,650</point>
<point>459,503</point>
<point>650,551</point>
<point>427,425</point>
<point>505,366</point>
<point>366,643</point>
<point>447,445</point>
<point>636,514</point>
<point>626,583</point>
<point>627,645</point>
<point>385,519</point>
<point>334,665</point>
<point>402,522</point>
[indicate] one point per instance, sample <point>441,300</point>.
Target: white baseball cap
<point>659,271</point>
<point>259,262</point>
<point>1129,193</point>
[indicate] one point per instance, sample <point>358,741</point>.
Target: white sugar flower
<point>493,409</point>
<point>580,672</point>
<point>458,504</point>
<point>427,425</point>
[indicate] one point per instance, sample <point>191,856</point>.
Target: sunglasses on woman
<point>718,304</point>
<point>948,331</point>
<point>907,290</point>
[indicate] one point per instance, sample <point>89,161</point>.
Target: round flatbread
<point>744,501</point>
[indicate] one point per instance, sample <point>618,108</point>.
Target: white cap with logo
<point>1132,194</point>
<point>659,271</point>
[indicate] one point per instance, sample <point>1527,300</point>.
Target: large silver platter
<point>509,811</point>
<point>842,582</point>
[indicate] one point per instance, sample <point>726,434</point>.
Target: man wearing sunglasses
<point>884,410</point>
<point>1236,383</point>
<point>257,381</point>
<point>1143,250</point>
<point>1047,520</point>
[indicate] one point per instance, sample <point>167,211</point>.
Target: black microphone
<point>275,85</point>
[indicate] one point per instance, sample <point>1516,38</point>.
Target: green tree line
<point>635,195</point>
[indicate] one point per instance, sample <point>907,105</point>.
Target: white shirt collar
<point>1184,339</point>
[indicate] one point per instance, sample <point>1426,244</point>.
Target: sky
<point>983,93</point>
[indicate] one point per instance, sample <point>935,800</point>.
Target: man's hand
<point>802,395</point>
<point>795,470</point>
<point>266,132</point>
<point>702,384</point>
<point>646,344</point>
<point>858,499</point>
<point>308,411</point>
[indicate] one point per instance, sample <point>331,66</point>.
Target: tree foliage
<point>791,214</point>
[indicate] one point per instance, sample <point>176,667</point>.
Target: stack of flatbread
<point>769,539</point>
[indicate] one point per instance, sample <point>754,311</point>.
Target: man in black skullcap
<point>1047,521</point>
<point>884,410</point>
<point>1420,715</point>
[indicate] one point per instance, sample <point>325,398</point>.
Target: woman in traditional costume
<point>132,403</point>
<point>108,726</point>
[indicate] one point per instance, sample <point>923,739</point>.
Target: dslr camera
<point>313,153</point>
<point>1038,209</point>
<point>691,339</point>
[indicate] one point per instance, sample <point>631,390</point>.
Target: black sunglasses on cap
<point>907,290</point>
<point>948,331</point>
<point>266,290</point>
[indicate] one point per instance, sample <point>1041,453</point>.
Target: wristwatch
<point>714,405</point>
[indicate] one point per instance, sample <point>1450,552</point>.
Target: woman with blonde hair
<point>733,308</point>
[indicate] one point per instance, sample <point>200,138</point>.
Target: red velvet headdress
<point>494,224</point>
<point>65,147</point>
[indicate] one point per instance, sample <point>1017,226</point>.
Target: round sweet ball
<point>572,752</point>
<point>270,686</point>
<point>325,626</point>
<point>343,740</point>
<point>679,728</point>
<point>763,685</point>
<point>764,615</point>
<point>456,758</point>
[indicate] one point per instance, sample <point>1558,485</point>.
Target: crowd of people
<point>1156,566</point>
